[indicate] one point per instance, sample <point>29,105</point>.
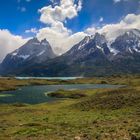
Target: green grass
<point>115,99</point>
<point>5,95</point>
<point>103,114</point>
<point>74,94</point>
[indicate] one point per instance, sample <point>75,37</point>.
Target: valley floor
<point>99,114</point>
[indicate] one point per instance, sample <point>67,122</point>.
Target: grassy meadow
<point>97,114</point>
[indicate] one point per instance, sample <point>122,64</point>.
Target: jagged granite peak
<point>83,42</point>
<point>90,44</point>
<point>91,47</point>
<point>99,39</point>
<point>35,39</point>
<point>135,32</point>
<point>34,48</point>
<point>45,42</point>
<point>129,42</point>
<point>32,52</point>
<point>101,43</point>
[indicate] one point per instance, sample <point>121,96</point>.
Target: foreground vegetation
<point>99,114</point>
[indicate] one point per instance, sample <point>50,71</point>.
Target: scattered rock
<point>77,138</point>
<point>133,137</point>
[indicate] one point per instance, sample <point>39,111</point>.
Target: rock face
<point>129,42</point>
<point>94,48</point>
<point>94,55</point>
<point>125,45</point>
<point>33,52</point>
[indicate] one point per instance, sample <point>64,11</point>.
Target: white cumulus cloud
<point>32,30</point>
<point>91,30</point>
<point>131,21</point>
<point>60,37</point>
<point>9,42</point>
<point>67,9</point>
<point>112,31</point>
<point>60,42</point>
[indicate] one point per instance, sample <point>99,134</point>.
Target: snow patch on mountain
<point>14,53</point>
<point>44,43</point>
<point>24,56</point>
<point>41,53</point>
<point>36,43</point>
<point>130,50</point>
<point>84,42</point>
<point>100,48</point>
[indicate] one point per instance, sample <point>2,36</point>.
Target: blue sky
<point>18,16</point>
<point>63,22</point>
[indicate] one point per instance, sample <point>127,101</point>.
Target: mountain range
<point>93,56</point>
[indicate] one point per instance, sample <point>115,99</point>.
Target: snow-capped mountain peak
<point>34,51</point>
<point>99,39</point>
<point>128,42</point>
<point>84,42</point>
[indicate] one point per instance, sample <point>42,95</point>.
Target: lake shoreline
<point>10,83</point>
